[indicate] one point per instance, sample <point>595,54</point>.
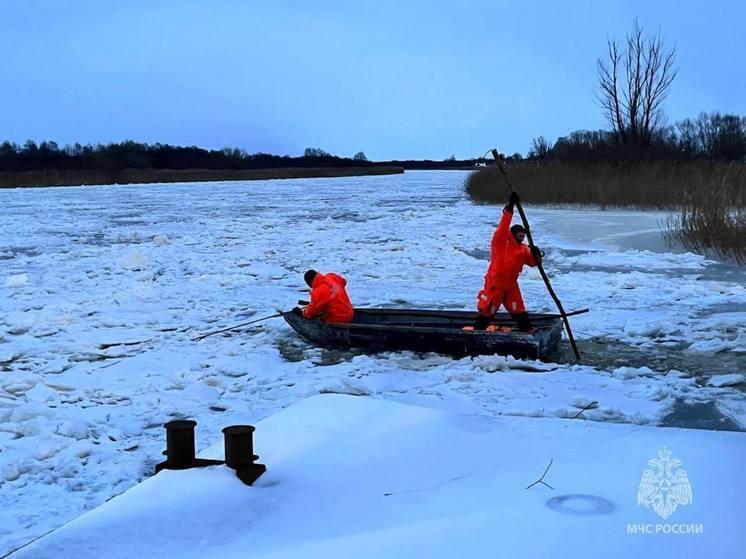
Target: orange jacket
<point>507,258</point>
<point>328,296</point>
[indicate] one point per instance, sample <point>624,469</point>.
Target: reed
<point>707,200</point>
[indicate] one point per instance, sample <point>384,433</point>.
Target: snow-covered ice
<point>95,350</point>
<point>359,477</point>
<point>727,380</point>
<point>16,280</point>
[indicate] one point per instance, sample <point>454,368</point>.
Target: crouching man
<point>329,300</point>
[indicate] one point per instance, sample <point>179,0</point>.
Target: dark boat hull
<point>431,331</point>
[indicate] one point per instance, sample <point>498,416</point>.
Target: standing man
<point>328,298</point>
<point>507,258</point>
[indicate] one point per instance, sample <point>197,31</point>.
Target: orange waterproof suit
<point>507,259</point>
<point>328,297</point>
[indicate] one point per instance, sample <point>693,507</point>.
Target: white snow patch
<point>16,280</point>
<point>727,380</point>
<point>133,261</point>
<point>632,372</point>
<point>40,393</point>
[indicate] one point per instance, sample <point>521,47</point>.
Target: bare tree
<point>315,152</point>
<point>634,81</point>
<point>539,148</point>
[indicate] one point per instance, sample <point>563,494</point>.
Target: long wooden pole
<point>539,265</point>
<point>203,336</point>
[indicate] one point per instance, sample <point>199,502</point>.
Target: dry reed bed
<point>707,200</point>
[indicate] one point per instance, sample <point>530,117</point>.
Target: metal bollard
<point>180,448</point>
<point>239,453</point>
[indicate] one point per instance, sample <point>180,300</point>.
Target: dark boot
<point>522,320</point>
<point>482,322</point>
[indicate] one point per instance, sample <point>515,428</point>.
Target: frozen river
<point>101,289</point>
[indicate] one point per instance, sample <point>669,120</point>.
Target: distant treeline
<point>710,136</point>
<point>68,177</point>
<point>133,155</point>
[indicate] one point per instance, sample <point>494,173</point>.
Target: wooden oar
<point>544,276</point>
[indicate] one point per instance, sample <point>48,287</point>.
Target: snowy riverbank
<point>102,288</point>
<point>353,476</point>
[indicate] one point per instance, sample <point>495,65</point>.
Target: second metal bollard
<point>239,453</point>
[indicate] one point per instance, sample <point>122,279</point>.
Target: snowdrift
<point>354,476</point>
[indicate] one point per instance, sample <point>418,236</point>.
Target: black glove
<point>537,253</point>
<point>512,201</point>
<point>297,311</point>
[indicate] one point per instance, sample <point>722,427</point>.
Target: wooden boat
<point>432,330</point>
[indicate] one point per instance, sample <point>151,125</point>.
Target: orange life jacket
<point>328,297</point>
<point>507,258</point>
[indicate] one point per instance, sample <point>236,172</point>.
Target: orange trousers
<point>490,299</point>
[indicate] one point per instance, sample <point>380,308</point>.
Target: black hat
<point>517,229</point>
<point>309,277</point>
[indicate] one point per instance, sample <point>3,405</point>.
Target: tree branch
<point>541,479</point>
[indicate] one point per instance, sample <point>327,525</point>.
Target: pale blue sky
<point>394,79</point>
